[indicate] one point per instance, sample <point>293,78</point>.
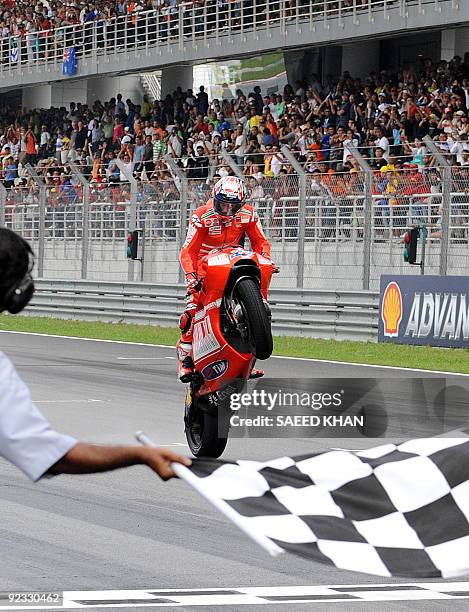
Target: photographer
<point>26,438</point>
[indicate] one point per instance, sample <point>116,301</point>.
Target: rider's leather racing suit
<point>209,230</point>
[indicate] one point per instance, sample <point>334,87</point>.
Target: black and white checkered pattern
<point>254,595</point>
<point>392,510</point>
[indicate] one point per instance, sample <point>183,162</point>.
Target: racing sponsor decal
<point>196,221</point>
<point>242,221</point>
<point>201,314</point>
<point>439,315</point>
<point>191,232</point>
<point>209,213</point>
<point>432,310</point>
<point>214,230</point>
<point>240,253</point>
<point>218,260</point>
<point>264,260</point>
<point>215,369</point>
<point>391,310</point>
<point>205,341</point>
<point>214,304</point>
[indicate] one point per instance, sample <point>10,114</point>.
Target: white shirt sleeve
<point>26,438</point>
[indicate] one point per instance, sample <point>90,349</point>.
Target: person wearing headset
<point>26,438</point>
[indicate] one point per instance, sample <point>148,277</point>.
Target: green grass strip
<point>423,357</point>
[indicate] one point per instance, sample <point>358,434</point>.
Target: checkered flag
<point>392,510</point>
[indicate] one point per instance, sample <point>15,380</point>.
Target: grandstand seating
<point>33,37</point>
<point>385,116</point>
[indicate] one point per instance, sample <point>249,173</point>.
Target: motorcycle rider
<point>222,221</point>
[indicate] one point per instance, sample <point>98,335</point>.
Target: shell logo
<point>391,309</point>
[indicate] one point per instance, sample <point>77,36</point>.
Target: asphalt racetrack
<point>128,531</point>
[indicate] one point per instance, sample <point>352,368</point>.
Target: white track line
<point>251,596</point>
<point>143,358</point>
<point>70,401</point>
<point>312,360</point>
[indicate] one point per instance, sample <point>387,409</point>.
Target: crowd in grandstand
<point>31,31</point>
<point>384,116</point>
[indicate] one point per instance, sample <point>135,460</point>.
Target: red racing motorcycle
<point>232,328</point>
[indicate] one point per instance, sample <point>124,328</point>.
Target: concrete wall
<point>361,58</point>
<point>331,61</point>
<point>462,41</point>
<point>327,265</point>
<point>175,76</point>
<point>406,50</point>
<point>84,91</point>
<point>454,42</point>
<point>105,88</point>
<point>37,97</point>
<point>64,93</point>
<point>302,64</point>
<point>448,44</point>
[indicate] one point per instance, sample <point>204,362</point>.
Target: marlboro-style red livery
<point>226,323</point>
<point>225,220</point>
<point>231,329</point>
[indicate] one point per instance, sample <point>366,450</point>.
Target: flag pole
<point>220,504</point>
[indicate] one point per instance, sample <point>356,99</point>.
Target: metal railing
<point>151,83</point>
<point>331,230</point>
<point>185,25</point>
<point>341,315</point>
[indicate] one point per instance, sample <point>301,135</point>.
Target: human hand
<point>192,282</point>
<point>160,459</point>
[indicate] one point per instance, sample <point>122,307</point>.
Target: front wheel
<point>248,294</point>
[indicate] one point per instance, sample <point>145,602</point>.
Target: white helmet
<point>229,194</point>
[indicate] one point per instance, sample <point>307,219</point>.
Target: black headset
<point>18,295</point>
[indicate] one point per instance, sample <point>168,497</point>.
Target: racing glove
<point>274,265</point>
<point>192,283</point>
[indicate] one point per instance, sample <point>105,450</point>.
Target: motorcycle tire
<point>202,434</point>
<point>258,320</point>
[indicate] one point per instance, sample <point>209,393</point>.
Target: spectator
<point>385,117</point>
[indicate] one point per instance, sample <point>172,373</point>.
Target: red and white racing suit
<point>208,230</point>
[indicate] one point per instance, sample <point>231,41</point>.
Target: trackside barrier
<point>341,315</point>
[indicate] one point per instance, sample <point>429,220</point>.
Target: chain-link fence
<point>458,240</point>
<point>327,229</point>
<point>401,200</point>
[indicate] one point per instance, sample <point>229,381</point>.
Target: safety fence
<point>345,315</point>
<point>327,230</point>
<point>183,23</point>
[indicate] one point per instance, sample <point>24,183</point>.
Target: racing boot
<point>255,373</point>
<point>186,364</point>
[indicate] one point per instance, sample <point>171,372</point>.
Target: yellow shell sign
<point>391,309</point>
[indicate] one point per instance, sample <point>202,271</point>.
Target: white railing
<point>184,26</point>
<point>151,83</point>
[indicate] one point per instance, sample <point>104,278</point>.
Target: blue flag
<point>69,67</point>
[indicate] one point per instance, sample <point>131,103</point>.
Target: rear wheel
<point>203,429</point>
<point>248,294</point>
